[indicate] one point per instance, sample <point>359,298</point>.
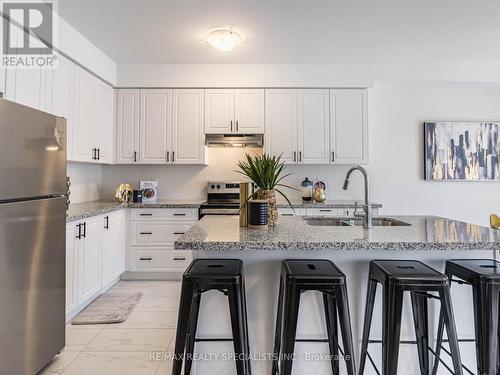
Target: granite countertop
<point>335,203</point>
<point>79,211</point>
<point>292,233</point>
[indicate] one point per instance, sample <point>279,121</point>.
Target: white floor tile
<point>59,363</point>
<point>78,338</point>
<point>148,319</point>
<point>131,340</point>
<point>154,303</point>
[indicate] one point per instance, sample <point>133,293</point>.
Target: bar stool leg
<point>345,327</point>
<point>277,334</point>
<point>421,322</point>
<point>246,338</point>
<point>191,333</point>
<point>332,330</point>
<point>370,302</point>
<point>182,325</point>
<point>486,319</point>
<point>236,312</point>
<point>392,301</point>
<point>292,301</point>
<point>449,320</point>
<point>440,332</point>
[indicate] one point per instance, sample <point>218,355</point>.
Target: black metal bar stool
<point>397,277</point>
<point>300,275</point>
<point>226,276</point>
<point>483,275</point>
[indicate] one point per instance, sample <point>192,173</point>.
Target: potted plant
<point>266,172</point>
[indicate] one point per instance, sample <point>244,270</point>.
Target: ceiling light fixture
<point>224,39</point>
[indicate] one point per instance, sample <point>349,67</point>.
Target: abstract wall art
<point>468,151</point>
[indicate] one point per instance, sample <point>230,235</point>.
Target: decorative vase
<point>307,187</point>
<point>319,195</point>
<point>270,197</point>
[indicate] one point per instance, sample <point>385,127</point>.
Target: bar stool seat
<point>397,277</point>
<point>483,275</point>
<point>298,276</point>
<point>226,276</point>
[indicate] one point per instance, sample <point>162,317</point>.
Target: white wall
<point>86,181</point>
<point>396,113</point>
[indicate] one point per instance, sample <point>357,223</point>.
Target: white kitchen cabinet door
<point>127,126</point>
<point>349,126</point>
<point>188,136</point>
<point>71,267</point>
<point>85,130</point>
<point>219,111</point>
<point>104,120</point>
<point>281,124</point>
<point>313,126</point>
<point>155,126</point>
<point>90,260</point>
<point>113,247</point>
<point>249,111</point>
<point>61,94</point>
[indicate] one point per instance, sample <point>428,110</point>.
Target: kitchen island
<point>432,240</point>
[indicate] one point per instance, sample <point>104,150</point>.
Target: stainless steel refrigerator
<point>32,238</point>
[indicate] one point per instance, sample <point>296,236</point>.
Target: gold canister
<point>245,192</point>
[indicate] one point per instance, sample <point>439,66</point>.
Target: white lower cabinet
<point>113,245</point>
<point>95,258</point>
<point>152,233</point>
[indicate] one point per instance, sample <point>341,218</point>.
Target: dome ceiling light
<point>224,39</point>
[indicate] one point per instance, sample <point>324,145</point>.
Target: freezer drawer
<point>32,284</point>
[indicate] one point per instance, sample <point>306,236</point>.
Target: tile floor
<point>125,348</point>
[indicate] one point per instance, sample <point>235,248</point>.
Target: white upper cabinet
<point>188,137</point>
<point>313,127</point>
<point>349,126</point>
<point>85,129</point>
<point>219,111</point>
<point>281,124</point>
<point>127,126</point>
<point>60,93</point>
<point>249,111</point>
<point>155,124</point>
<point>93,125</point>
<point>237,111</point>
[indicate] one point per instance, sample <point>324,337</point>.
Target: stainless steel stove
<point>223,198</point>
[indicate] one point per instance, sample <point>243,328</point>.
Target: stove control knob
<point>212,187</point>
<point>218,186</point>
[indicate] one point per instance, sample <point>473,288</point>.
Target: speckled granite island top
<point>335,203</point>
<point>293,233</point>
<point>80,211</point>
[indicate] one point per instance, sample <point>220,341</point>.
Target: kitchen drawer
<point>291,212</point>
<point>324,212</point>
<point>177,214</point>
<point>157,233</point>
<point>160,259</point>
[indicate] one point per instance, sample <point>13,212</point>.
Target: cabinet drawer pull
<point>179,214</point>
<point>146,232</point>
<point>145,214</point>
<point>106,222</point>
<point>286,214</point>
<point>325,210</point>
<point>179,258</point>
<point>144,258</point>
<point>179,232</point>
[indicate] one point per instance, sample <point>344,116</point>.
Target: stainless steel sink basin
<point>339,222</point>
<point>327,222</point>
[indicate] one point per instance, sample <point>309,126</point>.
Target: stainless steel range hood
<point>234,140</point>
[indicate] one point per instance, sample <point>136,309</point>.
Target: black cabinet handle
<point>79,235</point>
<point>173,156</point>
<point>237,126</point>
<point>286,214</point>
<point>295,156</point>
<point>84,229</point>
<point>179,232</point>
<point>300,156</point>
<point>179,258</point>
<point>168,156</point>
<point>325,210</point>
<point>106,222</point>
<point>144,258</point>
<point>98,154</point>
<point>135,156</point>
<point>179,214</point>
<point>333,156</point>
<point>94,154</point>
<point>148,233</point>
<point>231,125</point>
<point>145,214</point>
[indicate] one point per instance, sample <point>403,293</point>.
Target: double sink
<point>339,222</point>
